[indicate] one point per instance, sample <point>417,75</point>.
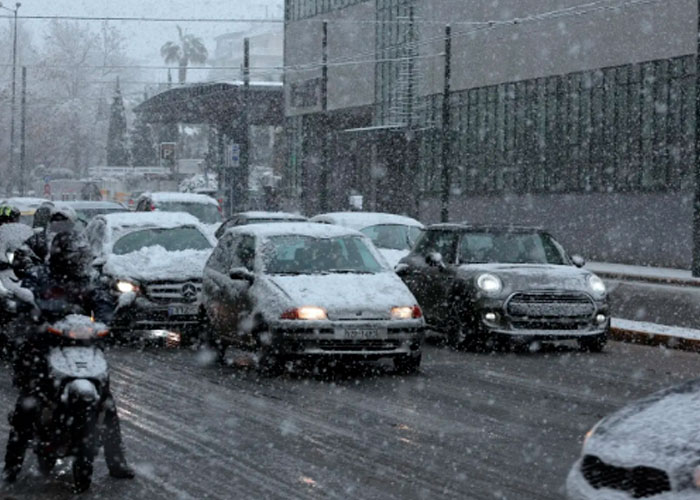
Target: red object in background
<point>47,189</point>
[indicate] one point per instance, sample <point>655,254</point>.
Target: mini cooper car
<point>483,284</point>
<point>152,264</point>
<point>393,235</point>
<point>299,290</point>
<point>647,449</point>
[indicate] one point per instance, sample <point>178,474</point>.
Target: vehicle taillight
<point>417,312</point>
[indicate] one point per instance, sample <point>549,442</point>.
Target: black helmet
<point>69,255</point>
<point>9,214</point>
<point>42,216</point>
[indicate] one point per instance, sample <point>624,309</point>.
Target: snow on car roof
<point>149,219</point>
<point>86,204</point>
<point>360,220</point>
<point>270,215</point>
<point>165,196</point>
<point>24,202</point>
<point>310,229</point>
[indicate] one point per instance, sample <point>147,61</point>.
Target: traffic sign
<point>167,151</point>
<point>235,155</point>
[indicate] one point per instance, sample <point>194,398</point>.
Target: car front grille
<point>537,306</point>
<point>639,482</point>
<point>355,345</point>
<point>167,292</point>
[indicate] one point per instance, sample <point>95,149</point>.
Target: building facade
<point>579,116</point>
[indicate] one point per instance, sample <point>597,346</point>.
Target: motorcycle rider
<point>65,278</point>
<point>9,214</point>
<point>59,220</point>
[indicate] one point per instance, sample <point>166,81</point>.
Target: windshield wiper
<point>348,271</point>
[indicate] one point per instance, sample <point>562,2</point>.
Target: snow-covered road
<point>478,426</point>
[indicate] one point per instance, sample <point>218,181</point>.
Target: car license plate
<point>182,311</point>
<point>361,333</point>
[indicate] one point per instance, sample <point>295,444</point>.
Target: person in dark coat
<point>64,281</point>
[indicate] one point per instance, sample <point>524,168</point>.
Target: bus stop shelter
<point>231,108</point>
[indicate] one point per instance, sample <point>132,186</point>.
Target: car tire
<point>594,343</point>
<point>459,338</point>
<point>271,361</point>
<point>407,364</point>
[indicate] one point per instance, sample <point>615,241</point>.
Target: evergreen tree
<point>143,149</point>
<point>117,147</point>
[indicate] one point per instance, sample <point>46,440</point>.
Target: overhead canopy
<point>216,103</point>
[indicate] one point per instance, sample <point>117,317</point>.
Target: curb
<point>633,336</point>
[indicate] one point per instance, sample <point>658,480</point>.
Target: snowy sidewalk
<point>660,275</point>
<point>641,332</point>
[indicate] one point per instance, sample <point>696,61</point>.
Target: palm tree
<point>190,49</point>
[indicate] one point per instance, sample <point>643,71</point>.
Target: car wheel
<point>271,361</point>
<point>593,344</point>
<point>460,338</point>
<point>407,364</point>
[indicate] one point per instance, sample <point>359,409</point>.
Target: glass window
<point>443,242</point>
<point>309,255</point>
<point>172,240</point>
<point>511,248</point>
<point>205,212</point>
<point>392,236</point>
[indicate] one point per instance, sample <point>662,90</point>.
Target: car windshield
<point>205,212</point>
<point>172,239</point>
<point>393,236</point>
<point>510,248</point>
<point>291,254</point>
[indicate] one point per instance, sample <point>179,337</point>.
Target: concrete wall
<point>640,228</point>
<point>349,85</point>
<point>562,45</point>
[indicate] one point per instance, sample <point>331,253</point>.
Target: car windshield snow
<point>392,236</point>
<point>205,212</point>
<point>308,255</point>
<point>510,248</point>
<point>173,240</point>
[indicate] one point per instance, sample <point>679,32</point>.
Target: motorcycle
<point>72,408</point>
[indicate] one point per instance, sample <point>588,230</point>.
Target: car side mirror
<point>578,261</point>
<point>241,274</point>
<point>435,259</point>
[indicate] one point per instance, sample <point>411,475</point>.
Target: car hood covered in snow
<point>531,276</point>
<point>158,264</point>
<point>345,295</point>
<point>660,431</point>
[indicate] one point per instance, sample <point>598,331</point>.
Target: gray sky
<point>144,39</point>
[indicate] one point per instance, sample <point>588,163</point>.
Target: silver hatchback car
<point>297,290</point>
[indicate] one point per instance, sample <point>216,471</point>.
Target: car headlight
<point>10,256</point>
<point>406,312</point>
<point>311,313</point>
<point>126,286</point>
<point>489,283</point>
<point>596,285</point>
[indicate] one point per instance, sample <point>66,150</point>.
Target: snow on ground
<point>655,329</point>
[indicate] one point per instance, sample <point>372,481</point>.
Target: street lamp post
<point>13,111</point>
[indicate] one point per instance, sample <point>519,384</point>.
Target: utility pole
<point>22,129</point>
<point>323,180</point>
<point>696,198</point>
<point>446,177</point>
<point>13,106</point>
<point>243,172</point>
